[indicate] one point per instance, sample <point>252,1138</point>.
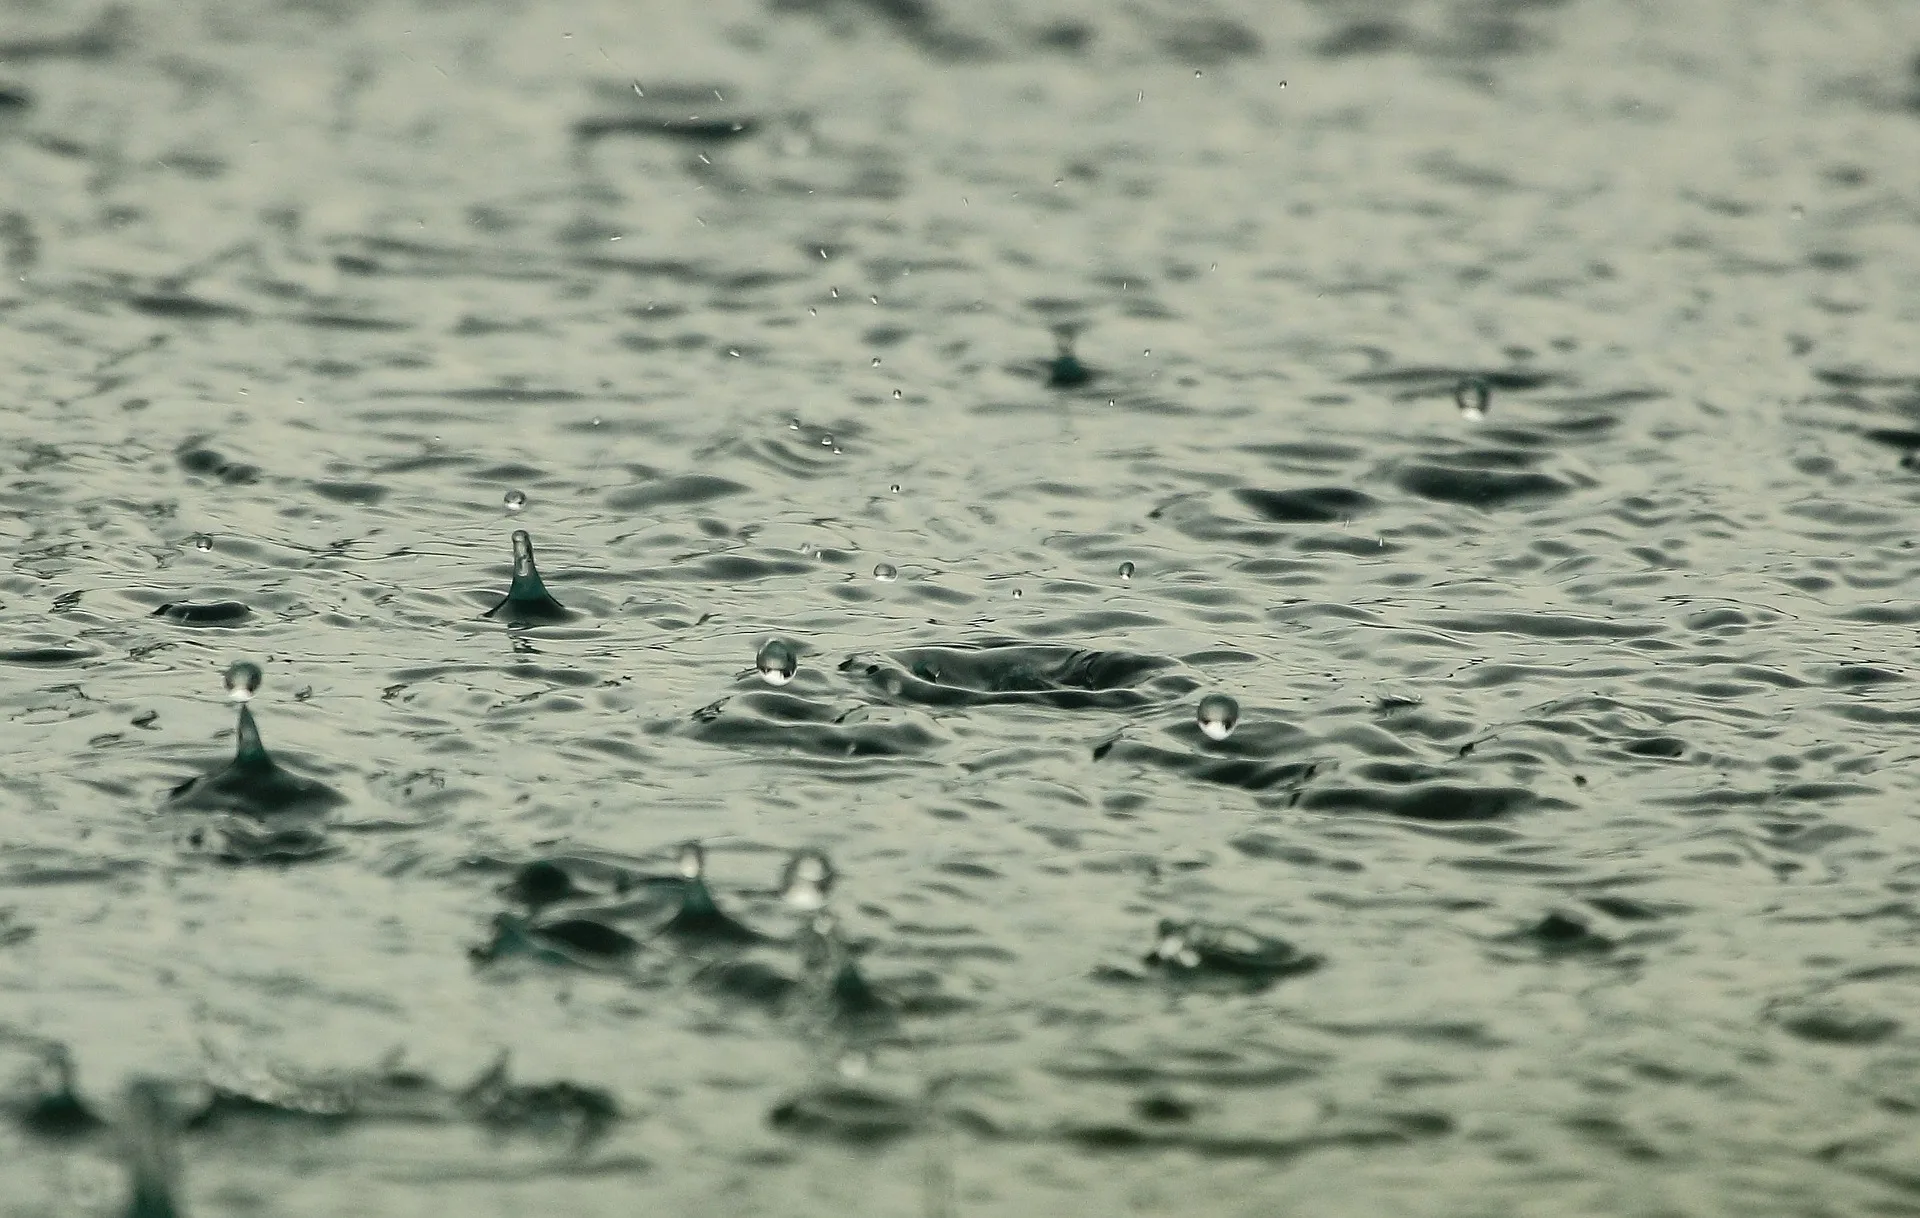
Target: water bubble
<point>777,662</point>
<point>1126,570</point>
<point>1217,715</point>
<point>243,680</point>
<point>202,542</point>
<point>807,881</point>
<point>1472,396</point>
<point>691,861</point>
<point>515,501</point>
<point>886,573</point>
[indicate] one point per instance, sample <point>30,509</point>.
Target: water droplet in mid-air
<point>515,501</point>
<point>807,881</point>
<point>777,662</point>
<point>895,488</point>
<point>896,395</point>
<point>1126,570</point>
<point>886,573</point>
<point>691,861</point>
<point>1472,396</point>
<point>243,680</point>
<point>202,542</point>
<point>876,361</point>
<point>1217,715</point>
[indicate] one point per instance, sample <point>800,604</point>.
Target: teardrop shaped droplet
<point>807,880</point>
<point>1217,716</point>
<point>1473,396</point>
<point>515,502</point>
<point>886,573</point>
<point>243,680</point>
<point>777,662</point>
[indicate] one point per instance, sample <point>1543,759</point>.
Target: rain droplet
<point>243,680</point>
<point>807,881</point>
<point>691,861</point>
<point>515,501</point>
<point>886,573</point>
<point>826,441</point>
<point>895,488</point>
<point>777,662</point>
<point>1217,715</point>
<point>1016,594</point>
<point>876,361</point>
<point>1472,396</point>
<point>896,395</point>
<point>1196,73</point>
<point>202,542</point>
<point>1126,570</point>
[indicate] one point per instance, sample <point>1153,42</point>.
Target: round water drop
<point>691,861</point>
<point>807,880</point>
<point>1472,396</point>
<point>1126,570</point>
<point>202,542</point>
<point>826,441</point>
<point>895,488</point>
<point>1217,715</point>
<point>516,501</point>
<point>886,573</point>
<point>243,680</point>
<point>777,662</point>
<point>896,395</point>
<point>876,361</point>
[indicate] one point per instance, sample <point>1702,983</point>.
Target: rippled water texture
<point>1562,858</point>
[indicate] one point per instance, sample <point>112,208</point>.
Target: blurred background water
<point>1511,405</point>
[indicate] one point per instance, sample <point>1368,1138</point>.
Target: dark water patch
<point>683,490</point>
<point>98,40</point>
<point>856,1116</point>
<point>1314,505</point>
<point>181,307</point>
<point>1562,934</point>
<point>788,722</point>
<point>357,322</point>
<point>47,1103</point>
<point>1247,773</point>
<point>196,458</point>
<point>1009,672</point>
<point>1666,748</point>
<point>1116,1138</point>
<point>205,613</point>
<point>1441,802</point>
<point>1858,675</point>
<point>689,127</point>
<point>1485,488</point>
<point>1437,381</point>
<point>578,1114</point>
<point>1832,1023</point>
<point>45,657</point>
<point>580,940</point>
<point>1201,951</point>
<point>1551,626</point>
<point>919,23</point>
<point>358,494</point>
<point>1903,439</point>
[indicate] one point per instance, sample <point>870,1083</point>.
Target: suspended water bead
<point>1217,716</point>
<point>516,502</point>
<point>777,662</point>
<point>886,573</point>
<point>202,542</point>
<point>1473,396</point>
<point>1126,570</point>
<point>895,488</point>
<point>807,881</point>
<point>243,680</point>
<point>896,395</point>
<point>698,917</point>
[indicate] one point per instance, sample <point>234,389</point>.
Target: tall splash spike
<point>527,600</point>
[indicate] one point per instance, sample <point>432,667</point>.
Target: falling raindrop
<point>876,361</point>
<point>896,395</point>
<point>1217,716</point>
<point>886,573</point>
<point>1126,570</point>
<point>516,501</point>
<point>826,441</point>
<point>895,488</point>
<point>1473,396</point>
<point>202,542</point>
<point>243,680</point>
<point>777,662</point>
